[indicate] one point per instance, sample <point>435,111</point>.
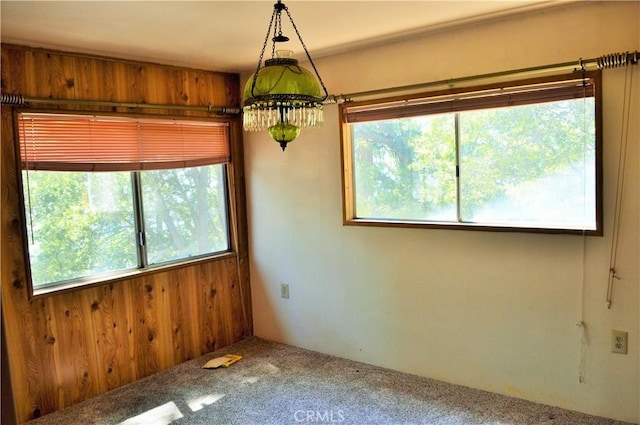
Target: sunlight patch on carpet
<point>198,403</point>
<point>161,415</point>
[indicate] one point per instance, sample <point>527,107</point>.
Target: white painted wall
<point>495,311</point>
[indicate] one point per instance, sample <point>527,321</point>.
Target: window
<point>523,156</point>
<point>108,196</point>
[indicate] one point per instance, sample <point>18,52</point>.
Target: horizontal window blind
<point>57,142</point>
<point>471,100</point>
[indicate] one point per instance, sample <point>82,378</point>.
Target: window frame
<point>142,269</point>
<point>347,164</point>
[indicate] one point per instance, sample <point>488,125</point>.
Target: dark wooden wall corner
<point>7,408</point>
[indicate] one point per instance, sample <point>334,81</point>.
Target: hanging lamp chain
<point>278,37</point>
<point>277,30</point>
<point>313,65</point>
<point>264,47</point>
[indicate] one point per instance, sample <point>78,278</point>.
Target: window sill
<point>414,224</point>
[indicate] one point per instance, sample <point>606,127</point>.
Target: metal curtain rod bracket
<point>18,99</point>
<point>613,60</point>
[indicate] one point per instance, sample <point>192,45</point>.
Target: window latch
<point>141,239</point>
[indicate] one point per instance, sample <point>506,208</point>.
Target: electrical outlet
<point>284,290</point>
<point>619,342</point>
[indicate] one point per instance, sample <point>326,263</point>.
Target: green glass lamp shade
<point>282,97</point>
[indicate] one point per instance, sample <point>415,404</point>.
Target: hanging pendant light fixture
<point>281,96</point>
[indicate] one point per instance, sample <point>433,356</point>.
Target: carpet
<point>277,384</point>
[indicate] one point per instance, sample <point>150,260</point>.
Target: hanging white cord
<point>22,145</point>
<point>234,229</point>
<point>622,159</point>
<point>584,341</point>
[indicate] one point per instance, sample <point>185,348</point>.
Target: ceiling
<point>227,36</point>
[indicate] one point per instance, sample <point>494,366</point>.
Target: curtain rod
<point>17,99</point>
<point>608,61</point>
<point>603,62</point>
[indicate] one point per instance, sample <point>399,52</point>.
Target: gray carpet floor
<point>276,384</point>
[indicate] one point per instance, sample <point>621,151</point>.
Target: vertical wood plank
<point>109,331</point>
<point>18,312</point>
<point>95,80</point>
<point>122,369</point>
<point>47,359</point>
<point>135,317</point>
<point>124,83</point>
<point>74,348</point>
<point>181,315</point>
<point>208,293</point>
<point>192,322</point>
<point>224,328</point>
<point>12,70</point>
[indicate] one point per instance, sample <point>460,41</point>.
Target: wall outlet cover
<point>619,342</point>
<point>284,290</point>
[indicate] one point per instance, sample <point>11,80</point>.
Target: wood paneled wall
<point>70,346</point>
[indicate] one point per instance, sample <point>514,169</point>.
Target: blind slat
<point>88,143</point>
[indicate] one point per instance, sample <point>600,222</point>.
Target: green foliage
<point>72,234</point>
<point>504,148</point>
<point>383,154</point>
<point>185,212</point>
<point>405,168</point>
